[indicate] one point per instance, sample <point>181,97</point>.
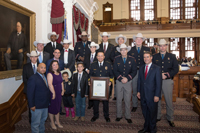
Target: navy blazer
<point>38,93</point>
<point>152,85</point>
<point>61,64</point>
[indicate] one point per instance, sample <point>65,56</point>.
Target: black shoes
<point>118,119</point>
<point>171,123</point>
<point>107,119</point>
<point>143,131</point>
<point>134,109</point>
<point>94,119</point>
<point>129,120</point>
<point>62,113</point>
<point>89,107</point>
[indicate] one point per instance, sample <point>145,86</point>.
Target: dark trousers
<point>29,115</point>
<point>96,108</point>
<point>90,102</point>
<point>17,56</point>
<point>149,111</point>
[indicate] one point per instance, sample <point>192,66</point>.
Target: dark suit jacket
<point>108,51</point>
<point>22,43</point>
<point>46,57</point>
<point>87,60</point>
<point>61,65</point>
<point>27,73</point>
<point>48,48</point>
<point>38,93</point>
<point>152,85</point>
<point>71,59</point>
<point>80,50</point>
<point>83,84</point>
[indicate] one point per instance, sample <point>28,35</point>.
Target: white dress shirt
<point>101,63</point>
<point>105,43</point>
<point>52,43</point>
<point>66,56</point>
<point>149,65</point>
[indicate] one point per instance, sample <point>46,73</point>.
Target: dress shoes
<point>171,123</point>
<point>134,109</point>
<point>62,113</point>
<point>129,120</point>
<point>60,126</point>
<point>118,119</point>
<point>94,119</point>
<point>107,119</point>
<point>89,107</point>
<point>143,131</point>
<point>53,126</point>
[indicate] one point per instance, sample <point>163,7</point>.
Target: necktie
<point>124,60</point>
<point>79,82</point>
<point>40,58</point>
<point>104,48</point>
<point>34,69</point>
<point>91,59</point>
<point>100,64</point>
<point>162,56</point>
<point>54,45</point>
<point>84,44</point>
<point>138,49</point>
<point>66,50</point>
<point>44,80</point>
<point>146,71</point>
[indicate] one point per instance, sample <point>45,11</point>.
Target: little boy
<point>80,91</point>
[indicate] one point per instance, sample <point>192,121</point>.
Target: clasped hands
<point>156,99</point>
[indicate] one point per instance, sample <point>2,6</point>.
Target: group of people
<point>49,79</point>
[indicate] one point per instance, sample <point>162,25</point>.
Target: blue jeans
<point>80,105</point>
<point>38,118</point>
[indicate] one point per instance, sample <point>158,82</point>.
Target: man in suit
<point>106,47</point>
<point>154,49</point>
<point>89,59</point>
<point>17,45</point>
<point>82,48</point>
<point>169,65</point>
<point>56,54</point>
<point>124,69</point>
<point>68,56</point>
<point>51,46</point>
<point>149,92</point>
<point>101,68</point>
<point>39,97</point>
<point>28,70</point>
<point>137,52</point>
<point>43,56</point>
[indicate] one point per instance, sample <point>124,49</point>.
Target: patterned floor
<point>186,121</point>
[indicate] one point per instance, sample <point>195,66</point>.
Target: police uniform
<point>80,50</point>
<point>104,71</point>
<point>140,61</point>
<point>169,65</point>
<point>128,70</point>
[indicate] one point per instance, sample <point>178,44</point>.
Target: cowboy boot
<point>67,111</point>
<point>72,112</point>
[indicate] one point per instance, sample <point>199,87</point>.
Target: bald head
<point>41,68</point>
<point>19,27</point>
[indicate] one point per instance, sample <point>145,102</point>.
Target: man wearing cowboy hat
<point>137,52</point>
<point>89,59</point>
<point>106,47</point>
<point>51,46</point>
<point>68,56</point>
<point>124,69</point>
<point>43,56</point>
<point>28,70</point>
<point>82,48</point>
<point>169,66</point>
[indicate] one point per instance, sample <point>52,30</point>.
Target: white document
<point>99,88</point>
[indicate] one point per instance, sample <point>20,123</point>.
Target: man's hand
<point>20,50</point>
<point>86,95</point>
<point>89,83</point>
<point>124,80</point>
<point>8,50</point>
<point>138,95</point>
<point>156,99</point>
<point>53,96</point>
<point>72,95</point>
<point>88,71</point>
<point>163,76</point>
<point>110,83</point>
<point>33,108</point>
<point>81,58</point>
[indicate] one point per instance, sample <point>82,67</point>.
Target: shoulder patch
<point>108,62</point>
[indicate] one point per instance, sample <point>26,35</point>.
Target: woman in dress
<point>56,87</point>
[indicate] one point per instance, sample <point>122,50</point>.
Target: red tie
<point>104,48</point>
<point>146,71</point>
<point>66,50</point>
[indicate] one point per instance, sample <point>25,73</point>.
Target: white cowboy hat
<point>123,46</point>
<point>65,41</point>
<point>94,44</point>
<point>84,33</point>
<point>162,42</point>
<point>139,35</point>
<point>120,36</point>
<point>33,53</point>
<point>40,41</point>
<point>68,71</point>
<point>53,33</point>
<point>105,34</point>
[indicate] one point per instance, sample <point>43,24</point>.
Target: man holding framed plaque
<point>125,69</point>
<point>100,72</point>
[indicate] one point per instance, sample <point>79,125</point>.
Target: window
<point>149,42</point>
<point>189,47</point>
<point>135,9</point>
<point>190,9</point>
<point>174,9</point>
<point>174,46</point>
<point>148,9</point>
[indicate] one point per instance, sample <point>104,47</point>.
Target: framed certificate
<point>99,88</point>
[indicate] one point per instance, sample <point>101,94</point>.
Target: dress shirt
<point>34,64</point>
<point>101,63</point>
<point>149,65</point>
<point>39,54</point>
<point>90,59</point>
<point>66,56</point>
<point>80,74</point>
<point>44,77</point>
<point>52,43</point>
<point>105,43</point>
